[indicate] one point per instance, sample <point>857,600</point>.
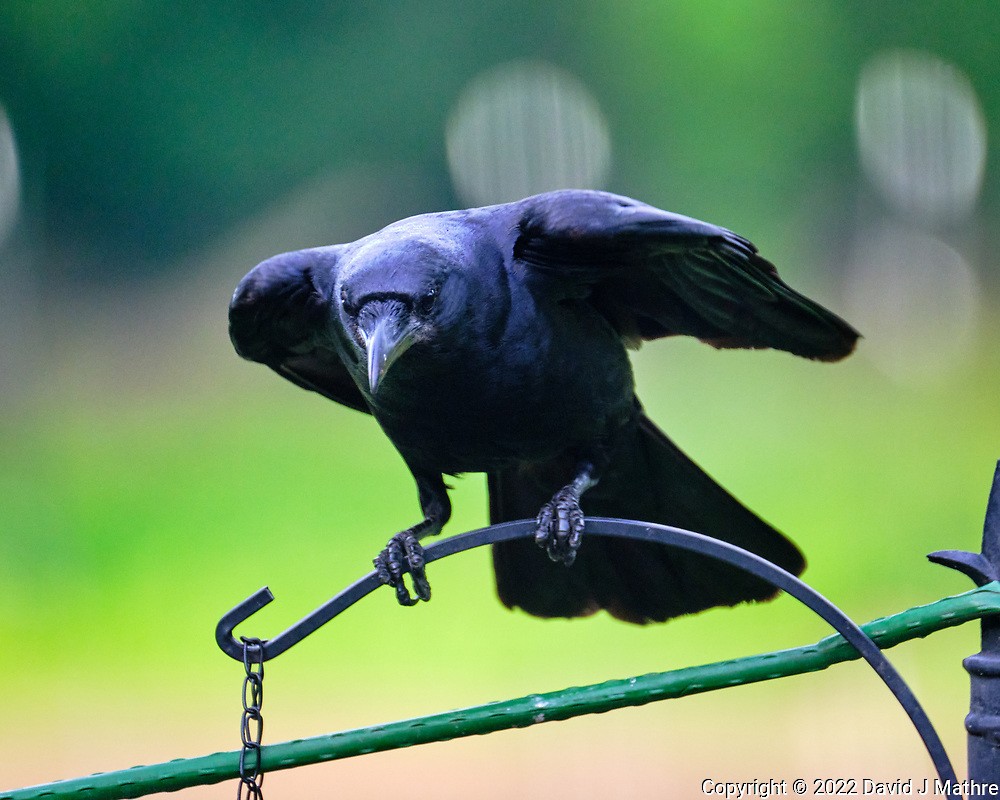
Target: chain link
<point>251,722</point>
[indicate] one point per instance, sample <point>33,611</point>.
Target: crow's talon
<point>560,526</point>
<point>403,554</point>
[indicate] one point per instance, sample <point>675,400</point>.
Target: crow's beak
<point>387,334</point>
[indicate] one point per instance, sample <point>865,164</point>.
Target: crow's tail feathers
<point>651,480</point>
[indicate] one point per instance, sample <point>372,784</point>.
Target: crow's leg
<point>404,553</point>
<point>560,522</point>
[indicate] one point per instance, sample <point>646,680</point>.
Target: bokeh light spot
<point>10,178</point>
<point>922,135</point>
<point>522,128</point>
<point>915,299</point>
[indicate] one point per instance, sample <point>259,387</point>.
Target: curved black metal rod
<point>626,529</point>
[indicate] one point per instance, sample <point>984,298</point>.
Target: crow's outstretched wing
<point>279,316</point>
<point>652,273</point>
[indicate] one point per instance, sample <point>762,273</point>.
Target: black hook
<point>295,634</point>
<point>322,615</point>
<point>627,529</point>
<point>249,607</point>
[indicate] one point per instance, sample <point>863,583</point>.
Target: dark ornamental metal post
<point>983,721</point>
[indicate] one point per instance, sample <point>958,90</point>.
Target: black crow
<point>495,340</point>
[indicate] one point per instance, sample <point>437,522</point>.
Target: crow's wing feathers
<point>322,371</point>
<point>277,316</point>
<point>653,273</point>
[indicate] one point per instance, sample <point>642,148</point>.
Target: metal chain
<point>251,722</point>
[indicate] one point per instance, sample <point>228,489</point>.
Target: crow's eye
<point>345,302</point>
<point>427,299</point>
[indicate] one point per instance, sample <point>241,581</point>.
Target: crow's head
<point>397,288</point>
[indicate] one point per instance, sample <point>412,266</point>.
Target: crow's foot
<point>404,554</point>
<point>560,525</point>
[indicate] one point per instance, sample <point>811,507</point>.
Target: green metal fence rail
<point>525,711</point>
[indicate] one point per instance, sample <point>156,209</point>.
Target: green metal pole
<point>522,712</point>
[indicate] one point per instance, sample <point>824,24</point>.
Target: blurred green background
<point>151,153</point>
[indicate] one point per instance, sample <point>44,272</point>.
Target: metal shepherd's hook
<point>599,526</point>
